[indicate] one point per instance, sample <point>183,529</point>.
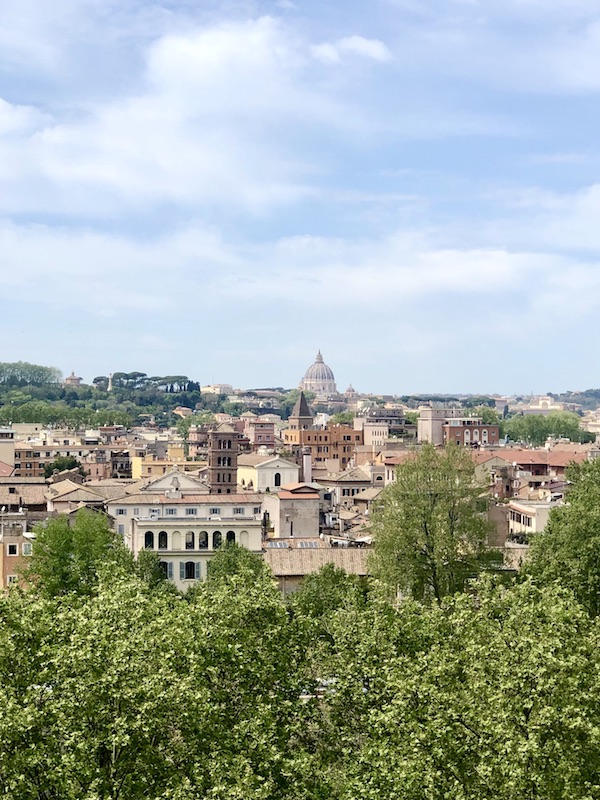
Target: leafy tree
<point>534,429</point>
<point>67,554</point>
<point>327,590</point>
<point>343,418</point>
<point>487,696</point>
<point>233,560</point>
<point>62,463</point>
<point>429,529</point>
<point>568,551</point>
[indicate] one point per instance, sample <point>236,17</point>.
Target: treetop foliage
<point>20,373</point>
<point>429,527</point>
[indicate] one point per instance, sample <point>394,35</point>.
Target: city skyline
<point>221,191</point>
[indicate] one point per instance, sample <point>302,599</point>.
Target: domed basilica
<point>319,378</point>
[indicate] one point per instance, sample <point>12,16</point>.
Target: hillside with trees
<point>31,393</point>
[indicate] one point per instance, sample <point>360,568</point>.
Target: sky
<point>219,189</point>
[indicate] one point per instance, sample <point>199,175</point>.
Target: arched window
<point>467,437</point>
<point>162,540</point>
<point>229,444</point>
<point>189,540</point>
<point>475,435</point>
<point>176,540</point>
<point>278,479</point>
<point>244,538</point>
<point>149,540</point>
<point>484,435</point>
<point>190,570</point>
<point>217,540</point>
<point>202,540</point>
<point>230,537</point>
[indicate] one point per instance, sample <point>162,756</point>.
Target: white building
<point>176,517</point>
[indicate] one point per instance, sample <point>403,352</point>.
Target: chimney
<point>306,465</point>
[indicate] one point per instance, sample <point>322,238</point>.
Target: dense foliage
<point>429,526</point>
<point>232,695</point>
<point>568,552</point>
<point>534,429</point>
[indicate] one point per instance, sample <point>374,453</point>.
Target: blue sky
<point>219,189</point>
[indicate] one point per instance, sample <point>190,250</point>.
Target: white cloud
<point>333,52</point>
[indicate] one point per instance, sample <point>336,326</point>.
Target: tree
<point>568,551</point>
<point>67,554</point>
<point>62,463</point>
<point>534,429</point>
<point>233,560</point>
<point>429,527</point>
<point>343,418</point>
<point>325,591</point>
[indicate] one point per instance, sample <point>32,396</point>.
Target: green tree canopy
<point>62,463</point>
<point>429,527</point>
<point>568,551</point>
<point>68,554</point>
<point>534,429</point>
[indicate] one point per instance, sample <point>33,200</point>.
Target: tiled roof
<point>188,499</point>
<point>25,494</point>
<point>299,562</point>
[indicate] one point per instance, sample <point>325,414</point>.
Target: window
<point>162,540</point>
<point>239,511</point>
<point>217,540</point>
<point>189,571</point>
<point>121,530</point>
<point>191,512</point>
<point>202,540</point>
<point>189,540</point>
<point>136,512</point>
<point>121,512</point>
<point>12,579</point>
<point>26,548</point>
<point>166,568</point>
<point>256,510</point>
<point>12,550</point>
<point>154,512</point>
<point>278,478</point>
<point>171,512</point>
<point>214,511</point>
<point>230,537</point>
<point>149,540</point>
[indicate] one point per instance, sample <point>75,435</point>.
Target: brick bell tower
<point>223,449</point>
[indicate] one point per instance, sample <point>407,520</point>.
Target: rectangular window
<point>26,548</point>
<point>136,512</point>
<point>154,512</point>
<point>12,550</point>
<point>171,512</point>
<point>12,579</point>
<point>256,510</point>
<point>191,512</point>
<point>239,511</point>
<point>121,512</point>
<point>214,511</point>
<point>121,529</point>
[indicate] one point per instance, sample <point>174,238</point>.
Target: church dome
<point>319,378</point>
<point>319,371</point>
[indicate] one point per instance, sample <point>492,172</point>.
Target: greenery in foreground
<point>114,686</point>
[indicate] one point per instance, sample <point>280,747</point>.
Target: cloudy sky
<point>220,188</point>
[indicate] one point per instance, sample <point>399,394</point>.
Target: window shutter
<point>197,570</point>
<point>170,570</point>
<point>182,570</point>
